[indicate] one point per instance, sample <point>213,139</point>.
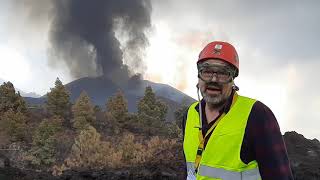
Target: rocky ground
<point>304,156</point>
<point>120,174</point>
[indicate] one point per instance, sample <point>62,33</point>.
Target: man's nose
<point>214,77</point>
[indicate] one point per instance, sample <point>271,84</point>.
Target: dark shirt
<point>262,141</point>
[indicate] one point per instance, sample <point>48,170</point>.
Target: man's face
<point>215,81</point>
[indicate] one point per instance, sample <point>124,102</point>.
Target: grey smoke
<point>82,34</point>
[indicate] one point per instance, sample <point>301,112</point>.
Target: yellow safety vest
<point>220,160</point>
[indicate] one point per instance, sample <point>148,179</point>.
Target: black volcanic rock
<point>11,173</point>
<point>141,173</point>
<point>304,155</point>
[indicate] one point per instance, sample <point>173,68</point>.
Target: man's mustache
<point>213,85</point>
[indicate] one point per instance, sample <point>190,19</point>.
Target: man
<point>228,136</point>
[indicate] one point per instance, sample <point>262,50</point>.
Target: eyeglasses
<point>221,74</point>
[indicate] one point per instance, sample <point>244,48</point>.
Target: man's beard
<point>216,100</point>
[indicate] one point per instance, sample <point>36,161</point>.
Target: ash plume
<point>83,34</point>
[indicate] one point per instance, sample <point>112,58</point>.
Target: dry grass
<point>90,152</point>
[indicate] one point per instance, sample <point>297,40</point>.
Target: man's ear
<point>234,86</point>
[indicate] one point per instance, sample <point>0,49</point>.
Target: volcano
<point>101,88</point>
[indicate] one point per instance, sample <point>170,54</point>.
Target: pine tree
<point>151,112</point>
<point>13,111</point>
<point>179,114</point>
<point>9,99</point>
<point>14,124</point>
<point>117,111</point>
<point>83,112</point>
<point>150,106</point>
<point>58,102</point>
<point>43,151</point>
<point>118,106</point>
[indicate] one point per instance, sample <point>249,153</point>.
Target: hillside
<point>101,88</point>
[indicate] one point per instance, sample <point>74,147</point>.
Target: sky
<point>277,43</point>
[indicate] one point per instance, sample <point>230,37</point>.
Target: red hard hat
<point>220,50</point>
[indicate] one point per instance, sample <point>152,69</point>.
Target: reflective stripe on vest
<point>252,174</point>
<point>219,173</point>
<point>221,157</point>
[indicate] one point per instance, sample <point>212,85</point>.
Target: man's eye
<point>207,73</point>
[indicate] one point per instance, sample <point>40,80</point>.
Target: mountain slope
<point>101,88</point>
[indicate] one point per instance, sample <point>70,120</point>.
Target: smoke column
<point>82,34</point>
